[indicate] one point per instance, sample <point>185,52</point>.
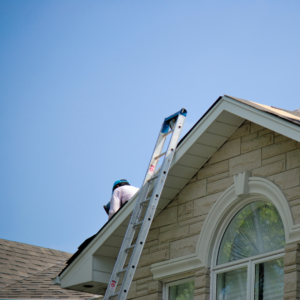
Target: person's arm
<point>115,203</point>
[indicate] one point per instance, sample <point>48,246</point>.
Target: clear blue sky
<point>85,85</point>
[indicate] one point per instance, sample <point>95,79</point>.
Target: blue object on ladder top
<point>167,120</point>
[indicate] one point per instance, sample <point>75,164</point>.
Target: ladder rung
<point>114,295</point>
<point>160,155</point>
<point>168,133</point>
<point>138,223</point>
<point>119,273</point>
<point>153,177</point>
<point>145,201</point>
<point>127,249</point>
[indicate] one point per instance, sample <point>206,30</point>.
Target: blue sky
<point>85,85</point>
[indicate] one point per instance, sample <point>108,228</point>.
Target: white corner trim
<point>228,204</point>
<point>241,183</point>
<point>177,266</point>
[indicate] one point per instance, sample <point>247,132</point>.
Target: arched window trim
<point>230,203</point>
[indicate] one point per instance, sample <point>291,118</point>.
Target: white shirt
<point>120,195</point>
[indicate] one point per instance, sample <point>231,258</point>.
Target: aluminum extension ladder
<point>145,207</point>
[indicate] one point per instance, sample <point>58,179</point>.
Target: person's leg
<point>107,207</point>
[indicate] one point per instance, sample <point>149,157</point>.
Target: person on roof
<point>122,192</point>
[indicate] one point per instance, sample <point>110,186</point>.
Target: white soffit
<point>206,137</point>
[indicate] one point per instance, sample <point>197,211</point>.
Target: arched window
<point>249,262</point>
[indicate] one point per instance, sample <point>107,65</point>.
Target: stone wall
<point>292,272</point>
<point>175,232</point>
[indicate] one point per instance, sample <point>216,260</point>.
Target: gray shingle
<point>26,272</point>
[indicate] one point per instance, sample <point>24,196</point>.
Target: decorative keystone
<point>241,183</point>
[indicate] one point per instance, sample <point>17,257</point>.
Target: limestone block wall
<point>175,232</point>
<point>292,272</point>
<point>202,284</point>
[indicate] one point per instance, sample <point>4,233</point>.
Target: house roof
<point>209,133</point>
<point>26,272</point>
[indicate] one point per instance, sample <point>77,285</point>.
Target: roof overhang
<point>94,264</point>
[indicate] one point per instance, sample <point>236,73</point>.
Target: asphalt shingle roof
<point>26,272</point>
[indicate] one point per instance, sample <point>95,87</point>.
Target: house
<point>26,272</point>
<point>228,220</point>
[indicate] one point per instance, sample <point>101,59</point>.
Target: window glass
<point>255,229</point>
<point>232,285</point>
<point>184,291</point>
<point>269,280</point>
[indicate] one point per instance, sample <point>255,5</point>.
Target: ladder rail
<point>150,209</point>
<point>149,216</point>
<point>157,150</point>
<point>129,235</point>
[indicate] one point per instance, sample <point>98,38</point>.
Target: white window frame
<point>172,283</point>
<point>237,264</point>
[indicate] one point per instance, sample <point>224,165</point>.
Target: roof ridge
<point>32,275</point>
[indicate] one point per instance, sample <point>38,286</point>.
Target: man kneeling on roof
<point>122,192</point>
